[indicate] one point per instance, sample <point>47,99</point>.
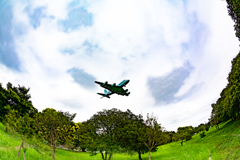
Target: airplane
<point>113,88</point>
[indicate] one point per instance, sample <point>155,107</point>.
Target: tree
<point>18,98</point>
<point>131,131</point>
<point>68,116</point>
<point>154,134</point>
<point>234,11</point>
<point>184,133</point>
<point>3,102</point>
<point>104,138</point>
<point>66,131</point>
<point>232,99</point>
<point>227,106</point>
<point>171,136</point>
<point>49,122</point>
<point>81,135</point>
<point>66,136</point>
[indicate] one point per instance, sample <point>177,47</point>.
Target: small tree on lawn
<point>49,122</point>
<point>154,134</point>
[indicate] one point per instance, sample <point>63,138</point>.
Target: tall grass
<point>218,144</point>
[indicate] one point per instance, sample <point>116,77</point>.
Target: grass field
<point>218,144</point>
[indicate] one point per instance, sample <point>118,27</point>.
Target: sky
<point>176,53</point>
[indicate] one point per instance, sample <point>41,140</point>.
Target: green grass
<point>218,144</point>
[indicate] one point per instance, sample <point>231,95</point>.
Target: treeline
<point>106,132</point>
<point>227,107</point>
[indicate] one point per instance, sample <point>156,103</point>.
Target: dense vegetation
<point>217,144</point>
<point>228,104</point>
<point>107,132</point>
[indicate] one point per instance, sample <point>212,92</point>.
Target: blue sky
<point>176,54</point>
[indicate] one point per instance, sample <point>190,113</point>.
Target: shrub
<point>202,134</point>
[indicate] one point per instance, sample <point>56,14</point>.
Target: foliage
<point>154,134</point>
<point>68,116</point>
<point>18,98</point>
<point>227,106</point>
<point>132,130</point>
<point>184,133</point>
<point>24,128</point>
<point>170,135</point>
<point>234,11</point>
<point>104,136</point>
<point>202,134</point>
<point>81,135</point>
<point>49,122</point>
<point>114,131</point>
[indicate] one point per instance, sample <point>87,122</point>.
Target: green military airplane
<point>113,88</point>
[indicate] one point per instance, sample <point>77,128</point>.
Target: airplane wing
<point>123,83</point>
<point>107,94</point>
<point>103,95</point>
<point>107,86</point>
<point>100,83</point>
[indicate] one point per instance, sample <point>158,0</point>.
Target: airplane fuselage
<point>117,90</point>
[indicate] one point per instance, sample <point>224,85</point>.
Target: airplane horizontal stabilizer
<point>103,95</point>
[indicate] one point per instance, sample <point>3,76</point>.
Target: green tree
<point>105,138</point>
<point>171,136</point>
<point>3,102</point>
<point>184,133</point>
<point>234,11</point>
<point>68,116</point>
<point>49,123</point>
<point>18,98</point>
<point>81,135</point>
<point>66,136</point>
<point>67,133</point>
<point>227,106</point>
<point>154,134</point>
<point>232,100</point>
<point>131,130</point>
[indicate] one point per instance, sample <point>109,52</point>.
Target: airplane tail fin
<point>103,95</point>
<point>105,91</point>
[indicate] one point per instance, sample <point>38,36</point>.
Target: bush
<point>188,137</point>
<point>202,134</point>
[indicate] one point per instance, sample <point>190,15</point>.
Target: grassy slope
<point>222,144</point>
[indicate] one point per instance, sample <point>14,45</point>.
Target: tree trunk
<point>53,153</point>
<point>24,155</point>
<point>102,155</point>
<point>20,149</point>
<point>139,155</point>
<point>105,155</point>
<point>182,143</point>
<point>53,149</point>
<point>110,156</point>
<point>7,127</point>
<point>149,157</point>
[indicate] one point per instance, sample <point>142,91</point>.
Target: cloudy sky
<point>176,53</point>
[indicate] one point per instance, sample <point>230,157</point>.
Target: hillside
<point>218,144</point>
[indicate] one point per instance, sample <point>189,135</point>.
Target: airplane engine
<point>105,83</point>
<point>114,84</point>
